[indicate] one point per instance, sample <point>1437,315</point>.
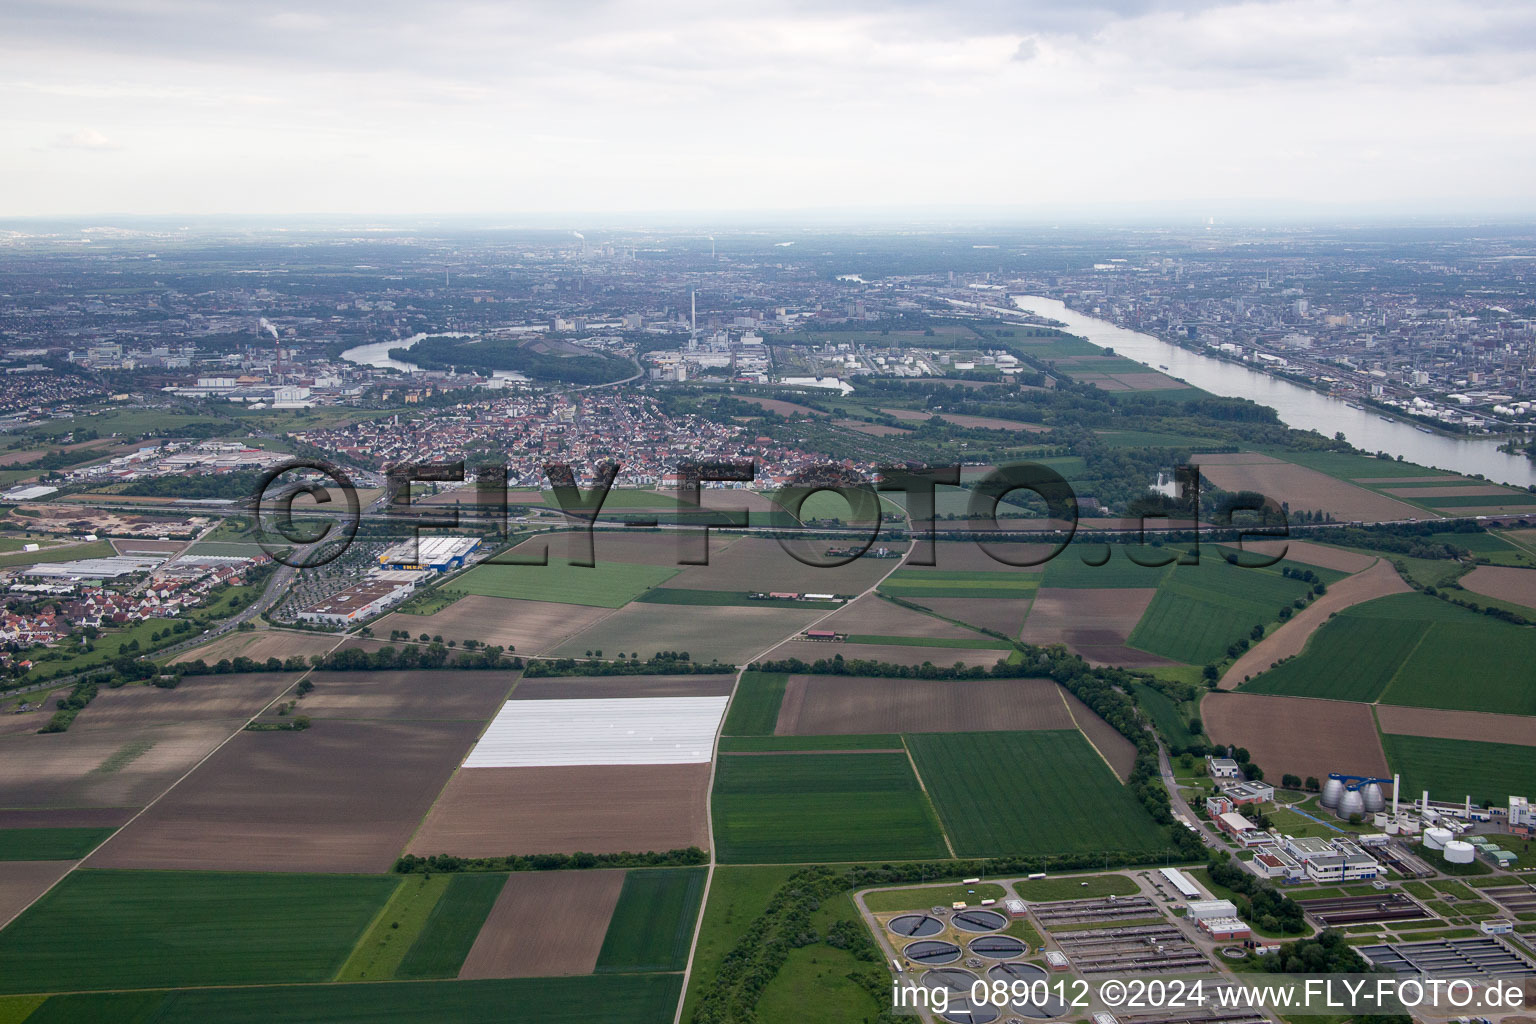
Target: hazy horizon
<point>1283,109</point>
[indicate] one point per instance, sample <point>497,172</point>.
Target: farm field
<point>1095,623</point>
<point>527,627</point>
<point>1321,556</point>
<point>1295,735</point>
<point>1304,489</point>
<point>1452,769</point>
<point>916,584</point>
<point>1404,649</point>
<point>49,843</point>
<point>493,812</point>
<point>1002,615</point>
<point>834,807</point>
<point>1479,726</point>
<point>604,585</point>
<point>378,954</point>
<point>853,705</point>
<point>1026,792</point>
<point>652,925</point>
<point>736,896</point>
<point>545,924</point>
<point>608,999</point>
<point>452,927</point>
<point>97,768</point>
<point>1291,638</point>
<point>758,564</point>
<point>214,698</point>
<point>113,929</point>
<point>780,744</point>
<point>603,687</point>
<point>754,710</point>
<point>339,796</point>
<point>1506,583</point>
<point>659,548</point>
<point>733,635</point>
<point>258,646</point>
<point>872,614</point>
<point>441,695</point>
<point>1200,610</point>
<point>22,881</point>
<point>1167,716</point>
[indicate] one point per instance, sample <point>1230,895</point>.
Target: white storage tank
<point>1436,838</point>
<point>1393,828</point>
<point>1458,852</point>
<point>1380,821</point>
<point>1351,804</point>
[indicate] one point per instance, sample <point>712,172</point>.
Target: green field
<point>1200,610</point>
<point>911,583</point>
<point>1413,650</point>
<point>50,843</point>
<point>1075,887</point>
<point>593,999</point>
<point>1167,716</point>
<point>652,925</point>
<point>979,643</point>
<point>1005,793</point>
<point>736,897</point>
<point>147,929</point>
<point>452,927</point>
<point>798,808</point>
<point>755,707</point>
<point>1452,769</point>
<point>95,549</point>
<point>605,585</point>
<point>924,896</point>
<point>757,744</point>
<point>379,952</point>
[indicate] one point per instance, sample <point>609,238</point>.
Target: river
<point>377,354</point>
<point>1298,407</point>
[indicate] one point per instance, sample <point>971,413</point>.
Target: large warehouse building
<point>439,554</point>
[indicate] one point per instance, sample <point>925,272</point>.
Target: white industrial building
<point>1332,860</point>
<point>438,554</point>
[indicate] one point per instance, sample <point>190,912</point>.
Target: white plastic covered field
<point>627,730</point>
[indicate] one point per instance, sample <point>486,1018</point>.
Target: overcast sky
<point>380,106</point>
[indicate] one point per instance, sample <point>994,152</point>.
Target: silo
<point>1373,797</point>
<point>1436,838</point>
<point>1333,792</point>
<point>1458,852</point>
<point>1352,804</point>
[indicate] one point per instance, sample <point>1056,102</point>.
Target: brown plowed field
<point>1382,481</point>
<point>529,627</point>
<point>782,407</point>
<point>1306,489</point>
<point>492,812</point>
<point>1004,615</point>
<point>854,705</point>
<point>1451,491</point>
<point>968,556</point>
<point>576,687</point>
<point>13,724</point>
<point>339,796</point>
<point>1291,638</point>
<point>1503,582</point>
<point>1297,735</point>
<point>197,699</point>
<point>1094,623</point>
<point>760,564</point>
<point>1320,555</point>
<point>874,615</point>
<point>810,651</point>
<point>875,429</point>
<point>414,696</point>
<point>133,546</point>
<point>545,925</point>
<point>731,633</point>
<point>124,767</point>
<point>260,646</point>
<point>85,817</point>
<point>1106,739</point>
<point>962,420</point>
<point>1479,726</point>
<point>22,881</point>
